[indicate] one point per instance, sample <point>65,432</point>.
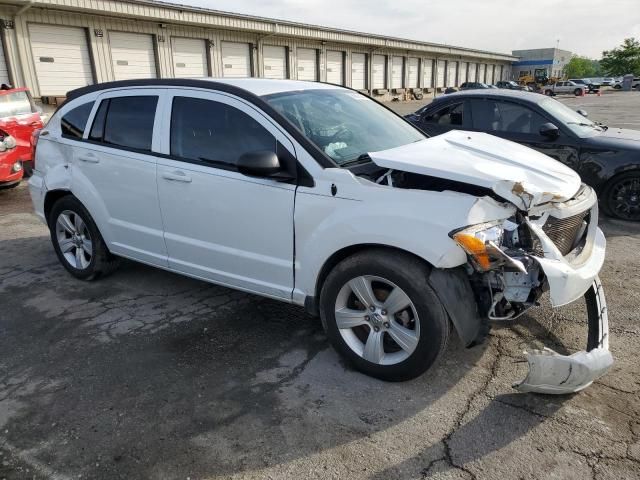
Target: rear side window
<point>125,122</point>
<point>214,132</point>
<point>74,121</point>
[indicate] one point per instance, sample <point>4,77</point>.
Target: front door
<point>520,123</point>
<point>219,224</point>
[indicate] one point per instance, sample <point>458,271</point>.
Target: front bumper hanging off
<point>571,277</point>
<point>552,373</point>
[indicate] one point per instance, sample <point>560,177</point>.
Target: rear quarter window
<point>75,120</point>
<point>125,122</point>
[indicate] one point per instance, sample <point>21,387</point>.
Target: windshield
<point>581,126</point>
<point>345,125</point>
<point>16,103</point>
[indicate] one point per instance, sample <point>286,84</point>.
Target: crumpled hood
<point>518,174</point>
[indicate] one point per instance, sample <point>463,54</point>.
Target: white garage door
<point>441,66</point>
<point>132,55</point>
<point>452,68</point>
<point>412,72</point>
<point>481,71</point>
<point>427,73</point>
<point>396,71</point>
<point>274,61</point>
<point>335,67</point>
<point>189,58</point>
<point>307,64</point>
<point>61,58</point>
<point>462,73</point>
<point>491,74</point>
<point>236,60</point>
<point>472,72</point>
<point>358,71</point>
<point>378,68</point>
<point>4,73</point>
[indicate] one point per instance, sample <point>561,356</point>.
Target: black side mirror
<point>583,113</point>
<point>549,130</point>
<point>262,163</point>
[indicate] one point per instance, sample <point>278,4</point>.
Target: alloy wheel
<point>377,320</point>
<point>74,239</point>
<point>625,198</point>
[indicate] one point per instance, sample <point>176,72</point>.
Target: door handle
<point>89,158</point>
<point>176,176</point>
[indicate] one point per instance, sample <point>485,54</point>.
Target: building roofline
<point>382,41</point>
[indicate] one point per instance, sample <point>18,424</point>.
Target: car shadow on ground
<point>148,374</point>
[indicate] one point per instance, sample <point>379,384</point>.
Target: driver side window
<point>215,133</point>
<point>452,114</point>
<point>497,116</point>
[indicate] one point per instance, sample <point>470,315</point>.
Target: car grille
<point>563,231</point>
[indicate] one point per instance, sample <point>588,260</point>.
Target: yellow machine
<point>538,80</point>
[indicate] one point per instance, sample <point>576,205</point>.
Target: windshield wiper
<point>363,158</point>
<point>582,124</point>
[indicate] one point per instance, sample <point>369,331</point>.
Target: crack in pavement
<point>481,390</point>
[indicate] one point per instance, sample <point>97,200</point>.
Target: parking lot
<point>147,374</point>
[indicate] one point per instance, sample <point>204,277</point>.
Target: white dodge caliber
<point>317,195</point>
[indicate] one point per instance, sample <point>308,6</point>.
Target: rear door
<point>116,166</point>
<point>218,223</point>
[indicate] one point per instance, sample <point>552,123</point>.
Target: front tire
<point>77,240</point>
<point>381,314</point>
<point>577,92</point>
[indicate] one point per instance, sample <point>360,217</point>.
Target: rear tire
<point>621,197</point>
<point>402,330</point>
<point>78,242</point>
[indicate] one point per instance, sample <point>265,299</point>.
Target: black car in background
<point>474,86</point>
<point>607,159</point>
<point>511,85</point>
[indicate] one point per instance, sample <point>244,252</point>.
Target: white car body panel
<point>273,238</point>
<point>482,159</point>
<point>212,216</point>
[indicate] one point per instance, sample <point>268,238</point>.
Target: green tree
<point>581,67</point>
<point>622,60</point>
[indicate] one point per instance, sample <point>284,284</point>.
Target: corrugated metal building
<point>53,46</point>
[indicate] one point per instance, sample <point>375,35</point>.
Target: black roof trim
<point>320,157</point>
<point>530,97</point>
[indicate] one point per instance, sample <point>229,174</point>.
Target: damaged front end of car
<point>548,244</point>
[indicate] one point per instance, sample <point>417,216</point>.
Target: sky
<point>585,27</point>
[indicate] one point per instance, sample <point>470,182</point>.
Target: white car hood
<point>518,174</point>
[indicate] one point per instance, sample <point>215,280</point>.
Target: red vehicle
<point>19,118</point>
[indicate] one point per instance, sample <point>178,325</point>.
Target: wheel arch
<point>451,285</point>
<point>51,197</point>
<point>311,301</point>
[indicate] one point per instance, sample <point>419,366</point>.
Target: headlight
<point>481,243</point>
<point>9,142</point>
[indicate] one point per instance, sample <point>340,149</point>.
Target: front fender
<point>416,221</point>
